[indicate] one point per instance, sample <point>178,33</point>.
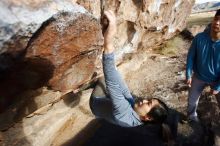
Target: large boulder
<point>70,42</point>
<point>54,44</point>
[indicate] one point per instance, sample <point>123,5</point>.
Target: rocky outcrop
<point>32,30</point>
<point>50,48</point>
<point>46,43</point>
<point>70,42</point>
<point>58,43</point>
<point>50,124</point>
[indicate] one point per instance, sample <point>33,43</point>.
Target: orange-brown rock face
<point>46,43</point>
<point>71,43</point>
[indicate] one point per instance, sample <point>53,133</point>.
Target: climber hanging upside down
<point>111,99</point>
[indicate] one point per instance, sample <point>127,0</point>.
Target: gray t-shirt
<point>119,94</point>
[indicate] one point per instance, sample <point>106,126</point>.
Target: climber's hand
<point>110,32</point>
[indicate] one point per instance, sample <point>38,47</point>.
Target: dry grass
<point>172,47</point>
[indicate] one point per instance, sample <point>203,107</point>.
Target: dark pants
<point>194,95</point>
<point>100,104</point>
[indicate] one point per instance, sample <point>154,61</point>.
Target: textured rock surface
<point>71,42</point>
<point>58,44</point>
<point>146,24</point>
<point>47,124</point>
<point>21,19</point>
<point>141,25</point>
<point>93,6</point>
<point>42,43</point>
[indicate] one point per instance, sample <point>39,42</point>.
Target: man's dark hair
<point>159,114</point>
<point>217,13</point>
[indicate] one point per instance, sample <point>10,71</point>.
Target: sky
<point>203,1</point>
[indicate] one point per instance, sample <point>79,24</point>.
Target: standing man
<point>203,65</point>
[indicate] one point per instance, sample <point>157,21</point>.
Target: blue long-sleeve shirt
<point>204,59</point>
<point>122,100</point>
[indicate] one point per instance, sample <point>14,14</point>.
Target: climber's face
<point>142,108</point>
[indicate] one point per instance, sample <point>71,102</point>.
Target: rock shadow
<point>186,34</point>
<point>19,75</point>
<point>138,3</point>
<point>72,99</point>
<point>109,134</point>
<point>84,135</point>
<point>101,133</point>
